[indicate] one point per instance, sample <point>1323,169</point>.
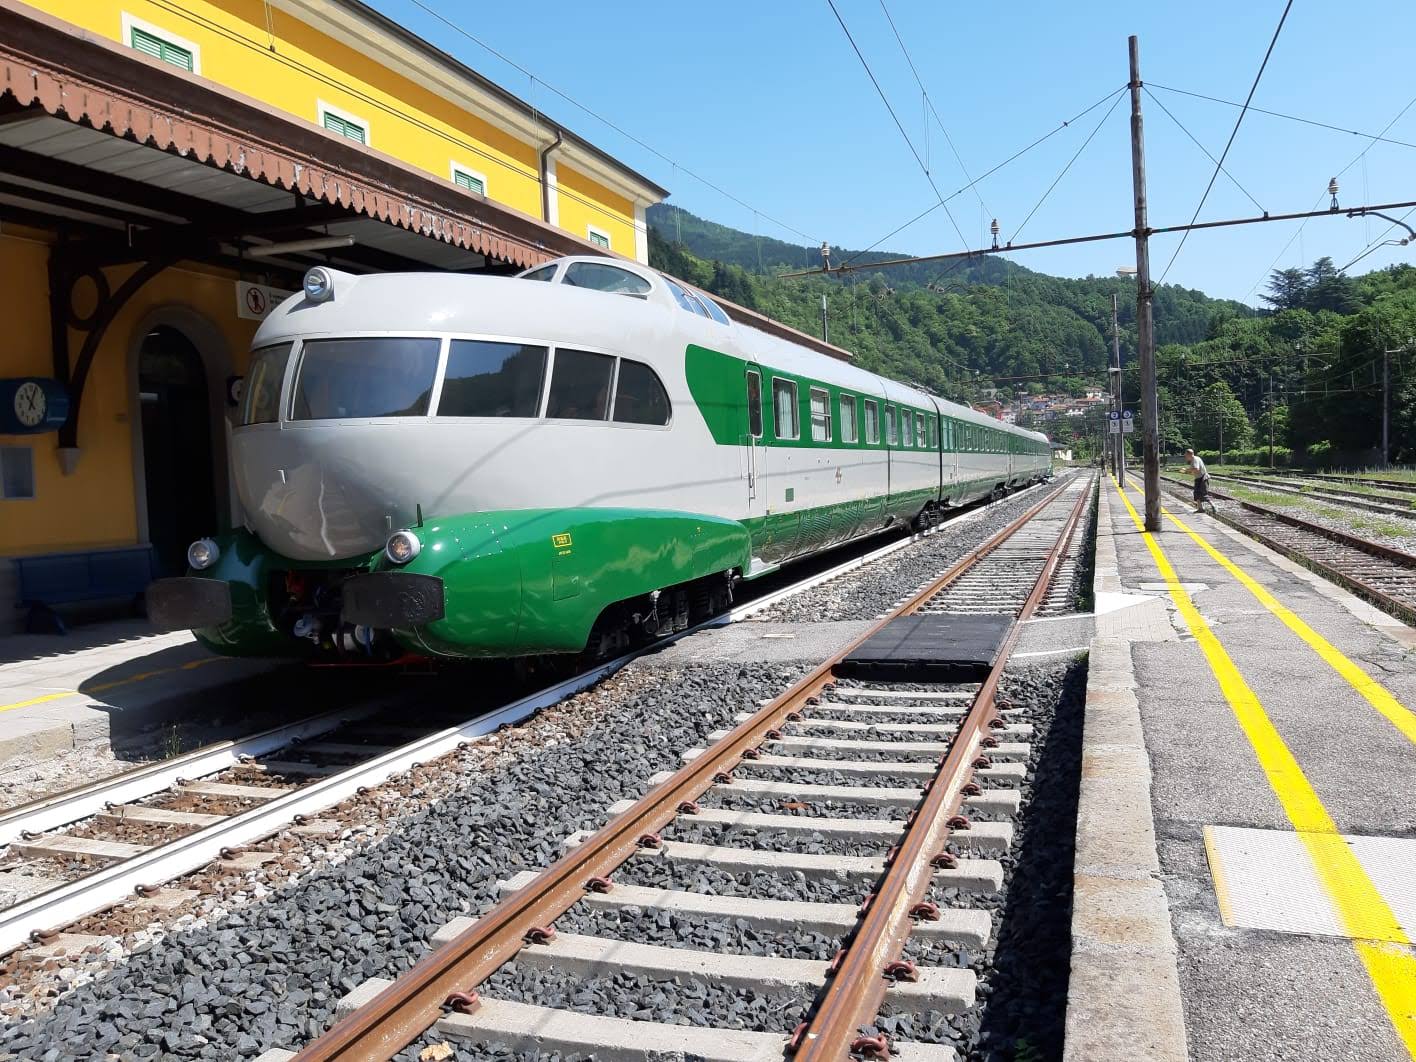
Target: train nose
<point>325,492</point>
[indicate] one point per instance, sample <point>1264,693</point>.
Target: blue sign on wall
<point>30,405</point>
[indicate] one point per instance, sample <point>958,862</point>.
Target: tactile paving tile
<point>1265,879</point>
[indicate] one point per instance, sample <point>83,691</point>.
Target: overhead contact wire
<point>885,100</point>
<point>1078,154</point>
<point>1233,133</point>
<point>984,176</point>
<point>603,120</point>
<point>1234,180</point>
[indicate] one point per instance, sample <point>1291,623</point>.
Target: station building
<point>168,171</point>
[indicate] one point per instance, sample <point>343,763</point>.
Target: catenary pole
<point>1145,325</point>
<point>1118,450</point>
<point>1386,450</point>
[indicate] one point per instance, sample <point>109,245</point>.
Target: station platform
<point>114,683</point>
<point>1245,882</point>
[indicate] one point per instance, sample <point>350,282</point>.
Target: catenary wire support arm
<point>1123,234</point>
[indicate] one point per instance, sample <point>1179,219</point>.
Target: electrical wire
<point>1235,132</point>
<point>1378,242</point>
<point>1360,155</point>
<point>929,104</point>
<point>1376,138</point>
<point>603,120</point>
<point>883,99</point>
<point>989,173</point>
<point>1193,140</point>
<point>512,167</point>
<point>1058,178</point>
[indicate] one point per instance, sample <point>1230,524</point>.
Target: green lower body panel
<point>508,583</point>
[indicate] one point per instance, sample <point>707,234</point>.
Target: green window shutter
<point>336,124</point>
<point>466,180</point>
<point>600,240</point>
<point>151,44</point>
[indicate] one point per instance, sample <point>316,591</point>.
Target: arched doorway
<point>176,427</point>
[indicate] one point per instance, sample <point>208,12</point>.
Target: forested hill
<point>951,327</point>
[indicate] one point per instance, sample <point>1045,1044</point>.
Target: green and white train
<point>453,466</point>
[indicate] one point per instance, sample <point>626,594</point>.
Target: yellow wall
<point>96,505</point>
<point>584,202</point>
<point>404,119</point>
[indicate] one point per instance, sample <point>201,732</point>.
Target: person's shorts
<point>1202,489</point>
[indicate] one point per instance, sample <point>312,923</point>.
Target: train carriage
<point>464,466</point>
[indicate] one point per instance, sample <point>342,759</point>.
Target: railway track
<point>102,843</point>
<point>892,770</point>
<point>1380,574</point>
<point>1350,498</point>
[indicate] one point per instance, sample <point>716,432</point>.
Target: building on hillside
<point>1061,453</point>
<point>991,408</point>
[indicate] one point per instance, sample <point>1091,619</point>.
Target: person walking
<point>1202,480</point>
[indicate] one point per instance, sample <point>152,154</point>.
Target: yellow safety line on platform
<point>190,665</point>
<point>1375,693</point>
<point>1378,938</point>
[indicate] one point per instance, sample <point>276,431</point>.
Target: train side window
<point>580,385</point>
<point>754,404</point>
<point>872,421</point>
<point>849,431</point>
<point>640,397</point>
<point>784,409</point>
<point>921,430</point>
<point>933,432</point>
<point>486,379</point>
<point>599,277</point>
<point>264,377</point>
<point>906,427</point>
<point>684,299</point>
<point>891,435</point>
<point>714,310</point>
<point>820,415</point>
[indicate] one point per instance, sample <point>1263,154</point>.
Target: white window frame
<point>848,399</point>
<point>812,394</point>
<point>906,428</point>
<point>455,167</point>
<point>591,232</point>
<point>796,410</point>
<point>323,108</point>
<point>892,425</point>
<point>872,438</point>
<point>131,22</point>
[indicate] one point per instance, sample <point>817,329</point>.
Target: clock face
<point>30,404</point>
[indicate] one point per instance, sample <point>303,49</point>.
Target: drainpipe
<point>545,177</point>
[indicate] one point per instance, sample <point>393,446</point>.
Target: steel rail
<point>1402,610</point>
<point>853,996</point>
<point>54,908</point>
<point>405,1009</point>
<point>59,809</point>
<point>1322,492</point>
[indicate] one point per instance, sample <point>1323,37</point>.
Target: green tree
<point>1219,415</point>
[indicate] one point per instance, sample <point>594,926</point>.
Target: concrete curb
<point>1123,999</point>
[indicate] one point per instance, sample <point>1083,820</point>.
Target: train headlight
<point>202,554</point>
<point>402,547</point>
<point>319,285</point>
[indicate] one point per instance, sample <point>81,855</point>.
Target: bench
<point>83,575</point>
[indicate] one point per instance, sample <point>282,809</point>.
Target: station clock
<point>30,405</point>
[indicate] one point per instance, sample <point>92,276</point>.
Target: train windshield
<point>364,377</point>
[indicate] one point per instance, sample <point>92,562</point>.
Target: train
<point>456,466</point>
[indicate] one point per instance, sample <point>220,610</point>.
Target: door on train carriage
<point>753,457</point>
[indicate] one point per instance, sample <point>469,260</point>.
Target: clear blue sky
<point>768,101</point>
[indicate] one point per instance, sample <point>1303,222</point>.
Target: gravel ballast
<point>874,589</point>
<point>270,974</point>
